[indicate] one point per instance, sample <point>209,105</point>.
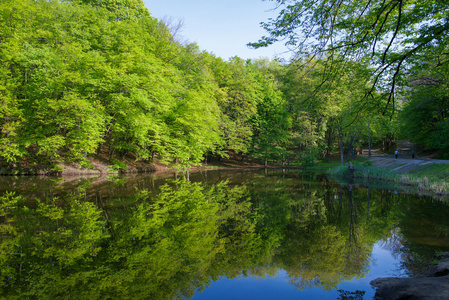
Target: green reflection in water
<point>83,242</point>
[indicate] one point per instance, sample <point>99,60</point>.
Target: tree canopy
<point>389,35</point>
<point>84,78</point>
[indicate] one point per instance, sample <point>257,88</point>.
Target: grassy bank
<point>431,178</point>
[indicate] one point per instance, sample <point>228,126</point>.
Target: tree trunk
<point>354,150</point>
<point>329,143</point>
<point>369,140</point>
<point>341,148</point>
<point>350,147</point>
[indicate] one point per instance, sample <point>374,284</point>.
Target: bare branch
<point>396,30</point>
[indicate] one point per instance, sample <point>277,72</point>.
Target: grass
<point>428,179</point>
<point>433,171</point>
<point>431,178</point>
<point>365,172</point>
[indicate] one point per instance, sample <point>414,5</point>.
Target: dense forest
<point>84,77</point>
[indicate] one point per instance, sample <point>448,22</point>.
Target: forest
<point>84,77</point>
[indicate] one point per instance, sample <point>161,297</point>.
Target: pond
<point>221,234</point>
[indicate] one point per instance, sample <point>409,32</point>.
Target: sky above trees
<point>221,27</point>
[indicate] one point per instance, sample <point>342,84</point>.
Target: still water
<point>221,235</point>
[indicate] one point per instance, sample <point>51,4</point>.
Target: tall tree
<point>272,121</point>
<point>237,100</point>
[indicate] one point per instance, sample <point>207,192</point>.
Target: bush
<point>118,166</point>
<point>308,159</point>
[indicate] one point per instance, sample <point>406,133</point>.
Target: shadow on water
<point>165,237</point>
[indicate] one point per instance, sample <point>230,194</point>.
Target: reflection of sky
<point>383,264</point>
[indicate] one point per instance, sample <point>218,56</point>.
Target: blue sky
<point>222,27</point>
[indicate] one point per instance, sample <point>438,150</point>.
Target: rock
<point>433,286</point>
<point>439,269</point>
<point>429,288</point>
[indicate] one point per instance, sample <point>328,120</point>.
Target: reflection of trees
<point>358,248</point>
<point>150,247</point>
<point>348,295</point>
<point>45,241</point>
<point>393,242</point>
<point>424,231</point>
<point>171,244</point>
<point>331,233</point>
<point>315,258</point>
<point>315,251</point>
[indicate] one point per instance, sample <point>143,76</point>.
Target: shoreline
<point>428,176</point>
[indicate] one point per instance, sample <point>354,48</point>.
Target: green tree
<point>390,35</point>
<point>77,82</point>
<point>237,100</point>
<point>121,9</point>
<point>324,106</point>
<point>271,124</point>
<point>424,118</point>
<point>10,113</point>
<point>194,121</point>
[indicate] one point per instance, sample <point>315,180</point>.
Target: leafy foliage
<point>79,76</point>
<point>390,35</point>
<point>424,117</point>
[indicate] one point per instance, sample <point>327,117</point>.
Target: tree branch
<point>396,30</point>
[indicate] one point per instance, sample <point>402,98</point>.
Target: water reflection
<point>159,237</point>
